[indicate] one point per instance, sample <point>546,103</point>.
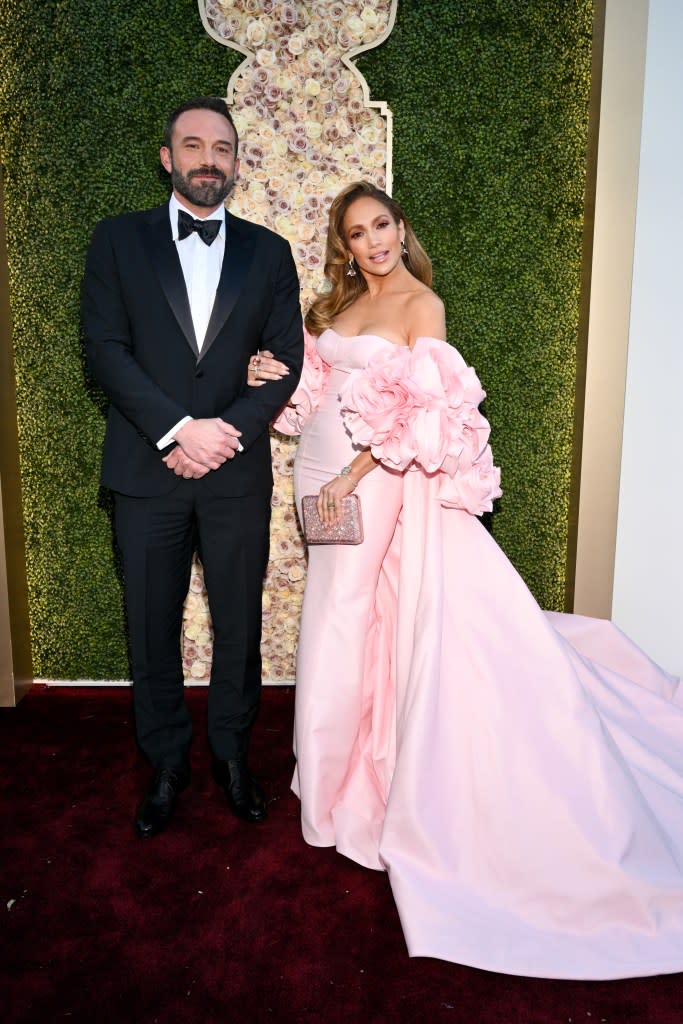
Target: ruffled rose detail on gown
<point>309,391</point>
<point>419,407</point>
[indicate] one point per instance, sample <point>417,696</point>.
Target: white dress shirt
<point>201,265</point>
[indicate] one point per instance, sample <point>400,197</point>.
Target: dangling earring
<point>351,272</point>
<point>404,251</point>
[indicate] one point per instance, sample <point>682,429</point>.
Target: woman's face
<point>373,237</point>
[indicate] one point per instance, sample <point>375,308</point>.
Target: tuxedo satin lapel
<point>164,256</point>
<point>239,252</point>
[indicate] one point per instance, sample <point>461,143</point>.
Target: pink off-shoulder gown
<point>518,773</point>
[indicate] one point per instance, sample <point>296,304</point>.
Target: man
<point>175,301</point>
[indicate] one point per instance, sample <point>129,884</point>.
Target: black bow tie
<point>206,229</point>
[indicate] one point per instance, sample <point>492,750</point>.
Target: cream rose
<point>266,58</point>
<point>256,34</point>
<point>313,129</point>
<point>370,18</point>
<point>296,44</point>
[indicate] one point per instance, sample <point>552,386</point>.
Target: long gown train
<point>518,773</point>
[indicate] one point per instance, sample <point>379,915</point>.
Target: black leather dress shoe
<point>158,804</point>
<point>246,799</point>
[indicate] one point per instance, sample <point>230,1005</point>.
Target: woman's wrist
<point>347,474</point>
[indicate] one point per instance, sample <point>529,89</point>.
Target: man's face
<point>201,160</point>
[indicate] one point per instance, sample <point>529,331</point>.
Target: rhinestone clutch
<point>347,530</point>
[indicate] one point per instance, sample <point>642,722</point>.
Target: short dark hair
<point>215,103</point>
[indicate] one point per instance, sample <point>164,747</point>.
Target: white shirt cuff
<point>167,438</point>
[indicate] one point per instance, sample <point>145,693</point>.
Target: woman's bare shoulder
<point>425,316</point>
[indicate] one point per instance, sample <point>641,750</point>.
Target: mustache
<point>202,172</point>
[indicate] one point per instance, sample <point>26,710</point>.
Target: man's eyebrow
<point>197,138</point>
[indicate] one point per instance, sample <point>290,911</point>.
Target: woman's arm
<point>426,319</point>
<point>332,493</point>
<point>263,369</point>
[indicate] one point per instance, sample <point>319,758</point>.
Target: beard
<point>207,193</point>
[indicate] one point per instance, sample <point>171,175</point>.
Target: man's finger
<point>228,428</point>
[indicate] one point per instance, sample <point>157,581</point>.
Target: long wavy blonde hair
<point>344,289</point>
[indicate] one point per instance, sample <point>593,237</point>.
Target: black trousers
<point>157,538</point>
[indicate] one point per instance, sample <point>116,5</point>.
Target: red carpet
<point>217,921</point>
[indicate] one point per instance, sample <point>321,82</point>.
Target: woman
<point>518,773</point>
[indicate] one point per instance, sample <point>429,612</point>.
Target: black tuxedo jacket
<point>142,350</point>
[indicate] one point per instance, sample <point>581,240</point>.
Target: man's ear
<point>165,157</point>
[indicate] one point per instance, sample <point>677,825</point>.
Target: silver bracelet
<point>346,471</point>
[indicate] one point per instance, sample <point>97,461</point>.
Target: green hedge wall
<point>490,104</point>
<point>490,108</point>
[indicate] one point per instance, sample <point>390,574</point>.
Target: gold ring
<point>332,504</point>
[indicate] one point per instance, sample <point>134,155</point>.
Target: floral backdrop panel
<point>307,127</point>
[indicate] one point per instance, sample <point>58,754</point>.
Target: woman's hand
<point>331,495</point>
<point>264,367</point>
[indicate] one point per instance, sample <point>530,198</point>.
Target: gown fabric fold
<point>518,773</point>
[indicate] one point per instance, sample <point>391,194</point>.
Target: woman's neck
<point>397,280</point>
